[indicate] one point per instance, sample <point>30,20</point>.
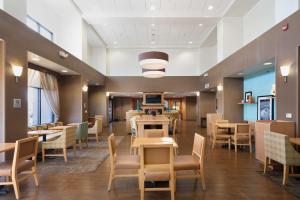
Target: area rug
<point>293,185</point>
<point>87,159</point>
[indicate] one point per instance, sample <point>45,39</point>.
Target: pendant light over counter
<point>153,64</point>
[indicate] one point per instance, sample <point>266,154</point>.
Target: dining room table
<point>42,133</point>
<point>4,147</point>
<point>139,141</point>
<point>295,141</point>
<point>60,127</point>
<point>144,120</point>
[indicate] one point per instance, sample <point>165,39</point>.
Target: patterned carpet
<point>87,160</point>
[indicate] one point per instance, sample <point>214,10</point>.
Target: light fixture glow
<point>107,94</point>
<point>153,74</point>
<point>210,7</point>
<point>64,71</point>
<point>152,8</point>
<point>153,63</point>
<point>220,88</point>
<point>85,88</point>
<point>205,75</point>
<point>268,63</point>
<point>200,24</point>
<point>285,71</point>
<point>115,42</point>
<point>17,71</point>
<point>190,42</point>
<point>152,25</point>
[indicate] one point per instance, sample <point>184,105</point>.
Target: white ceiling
<point>173,23</point>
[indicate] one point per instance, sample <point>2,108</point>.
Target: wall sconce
<point>285,70</point>
<point>85,88</point>
<point>220,88</point>
<point>17,71</point>
<point>107,94</point>
<point>198,94</point>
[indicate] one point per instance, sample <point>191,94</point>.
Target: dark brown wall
<point>141,84</point>
<point>233,94</point>
<point>120,106</point>
<point>207,103</point>
<point>189,105</point>
<point>98,102</point>
<point>2,90</point>
<point>70,94</point>
<point>277,44</point>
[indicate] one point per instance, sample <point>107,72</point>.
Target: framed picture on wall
<point>247,95</point>
<point>265,107</point>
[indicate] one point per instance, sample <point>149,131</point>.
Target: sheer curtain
<point>50,86</point>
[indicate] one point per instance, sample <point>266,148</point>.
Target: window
<point>36,26</point>
<point>39,112</point>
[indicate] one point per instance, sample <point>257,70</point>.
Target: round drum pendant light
<point>153,64</point>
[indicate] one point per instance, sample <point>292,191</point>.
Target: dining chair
<point>39,127</point>
<point>64,141</point>
<point>95,131</point>
<point>194,162</point>
<point>51,125</point>
<point>82,134</point>
<point>278,148</point>
<point>220,137</point>
<point>23,165</point>
<point>100,117</point>
<point>59,123</point>
<point>174,135</point>
<point>242,136</point>
<point>120,163</point>
<point>133,130</point>
<point>154,133</point>
<point>44,126</point>
<point>157,168</point>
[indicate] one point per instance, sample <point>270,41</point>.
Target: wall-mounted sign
<point>206,86</point>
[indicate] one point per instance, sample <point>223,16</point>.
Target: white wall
<point>1,4</point>
<point>258,20</point>
<point>124,62</point>
<point>97,58</point>
<point>16,8</point>
<point>208,58</point>
<point>229,36</point>
<point>284,9</point>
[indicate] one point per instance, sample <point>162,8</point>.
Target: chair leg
<point>175,181</point>
<point>74,150</point>
<point>202,178</point>
<point>172,188</point>
<point>16,187</point>
<point>265,165</point>
<point>213,144</point>
<point>142,189</point>
<point>34,174</point>
<point>65,155</point>
<point>80,144</point>
<point>235,146</point>
<point>250,147</point>
<point>285,174</point>
<point>97,137</point>
<point>111,177</point>
<point>43,155</point>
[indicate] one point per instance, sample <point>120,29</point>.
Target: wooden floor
<point>228,176</point>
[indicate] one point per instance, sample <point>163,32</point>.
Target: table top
<point>42,132</point>
<point>60,127</point>
<point>150,118</point>
<point>6,147</point>
<point>227,125</point>
<point>164,140</point>
<point>295,141</point>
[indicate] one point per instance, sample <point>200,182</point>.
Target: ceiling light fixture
<point>64,71</point>
<point>153,63</point>
<point>152,25</point>
<point>200,24</point>
<point>152,8</point>
<point>268,63</point>
<point>210,7</point>
<point>115,42</point>
<point>190,42</point>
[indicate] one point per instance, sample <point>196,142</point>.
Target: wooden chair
<point>100,117</point>
<point>194,162</point>
<point>279,149</point>
<point>157,168</point>
<point>133,130</point>
<point>120,162</point>
<point>220,137</point>
<point>242,136</point>
<point>174,135</point>
<point>95,131</point>
<point>23,165</point>
<point>59,123</point>
<point>64,141</point>
<point>82,134</point>
<point>154,133</point>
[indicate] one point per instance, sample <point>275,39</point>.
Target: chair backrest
<point>112,148</point>
<point>242,129</point>
<point>51,125</point>
<point>154,133</point>
<point>39,127</point>
<point>25,149</point>
<point>199,147</point>
<point>69,136</point>
<point>150,159</point>
<point>221,121</point>
<point>174,128</point>
<point>98,125</point>
<point>82,131</point>
<point>99,117</point>
<point>278,148</point>
<point>59,123</point>
<point>133,123</point>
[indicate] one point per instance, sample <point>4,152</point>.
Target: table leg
<point>166,130</point>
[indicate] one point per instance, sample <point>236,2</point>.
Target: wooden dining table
<point>153,141</point>
<point>60,127</point>
<point>295,141</point>
<point>6,147</point>
<point>143,120</point>
<point>42,133</point>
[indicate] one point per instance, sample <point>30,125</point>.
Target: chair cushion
<point>127,162</point>
<point>187,162</point>
<point>157,175</point>
<point>5,167</point>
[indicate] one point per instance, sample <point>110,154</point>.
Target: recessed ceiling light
<point>200,24</point>
<point>104,24</point>
<point>115,42</point>
<point>210,7</point>
<point>241,73</point>
<point>152,8</point>
<point>190,42</point>
<point>268,63</point>
<point>64,71</point>
<point>152,25</point>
